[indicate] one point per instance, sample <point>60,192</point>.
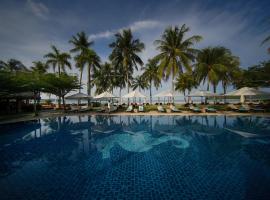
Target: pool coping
<point>151,113</point>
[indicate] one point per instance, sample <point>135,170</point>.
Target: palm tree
<point>92,60</point>
<point>12,65</point>
<point>185,81</point>
<point>80,42</point>
<point>56,58</point>
<point>232,72</point>
<point>81,46</point>
<point>151,75</point>
<point>139,82</point>
<point>39,67</point>
<point>124,55</point>
<point>176,52</point>
<point>102,78</point>
<point>211,62</point>
<point>267,39</point>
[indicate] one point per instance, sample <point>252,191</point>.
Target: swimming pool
<point>136,157</point>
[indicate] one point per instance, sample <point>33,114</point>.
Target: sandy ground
<point>28,117</point>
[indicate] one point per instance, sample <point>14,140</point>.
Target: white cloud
<point>136,26</point>
<point>38,9</point>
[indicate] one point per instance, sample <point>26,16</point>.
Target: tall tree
<point>125,52</point>
<point>140,83</point>
<point>211,62</point>
<point>81,45</point>
<point>176,52</point>
<point>12,65</point>
<point>103,78</point>
<point>232,72</point>
<point>151,75</point>
<point>186,82</point>
<point>92,60</point>
<point>39,67</point>
<point>58,59</point>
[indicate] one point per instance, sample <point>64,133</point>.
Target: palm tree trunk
<point>80,80</point>
<point>89,83</point>
<point>224,91</point>
<point>150,92</point>
<point>127,86</point>
<point>63,98</point>
<point>59,70</point>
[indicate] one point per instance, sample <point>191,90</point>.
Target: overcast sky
<point>29,27</point>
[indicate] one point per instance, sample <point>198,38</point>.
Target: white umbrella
<point>134,94</point>
<point>165,94</point>
<point>247,91</point>
<point>105,95</point>
<point>202,93</point>
<point>79,95</point>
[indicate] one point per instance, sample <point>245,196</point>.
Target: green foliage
<point>255,76</point>
<point>12,65</point>
<point>216,64</point>
<point>125,52</point>
<point>39,67</point>
<point>140,83</point>
<point>103,78</point>
<point>176,52</point>
<point>186,81</point>
<point>58,59</point>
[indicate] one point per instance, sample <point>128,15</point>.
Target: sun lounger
<point>129,109</point>
<point>112,109</point>
<point>257,109</point>
<point>174,109</point>
<point>232,107</point>
<point>101,110</point>
<point>195,109</point>
<point>209,109</point>
<point>244,109</point>
<point>141,109</point>
<point>74,108</point>
<point>161,109</point>
<point>84,108</point>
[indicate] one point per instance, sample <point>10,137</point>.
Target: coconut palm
<point>39,67</point>
<point>211,62</point>
<point>124,55</point>
<point>232,72</point>
<point>12,65</point>
<point>185,82</point>
<point>92,60</point>
<point>140,83</point>
<point>266,40</point>
<point>58,59</point>
<point>176,52</point>
<point>151,75</point>
<point>81,44</point>
<point>102,78</point>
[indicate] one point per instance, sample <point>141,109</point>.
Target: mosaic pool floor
<point>136,157</point>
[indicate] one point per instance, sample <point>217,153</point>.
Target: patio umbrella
<point>166,93</point>
<point>105,95</point>
<point>78,96</point>
<point>247,91</point>
<point>134,94</point>
<point>202,93</point>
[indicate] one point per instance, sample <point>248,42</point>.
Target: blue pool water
<point>136,157</point>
